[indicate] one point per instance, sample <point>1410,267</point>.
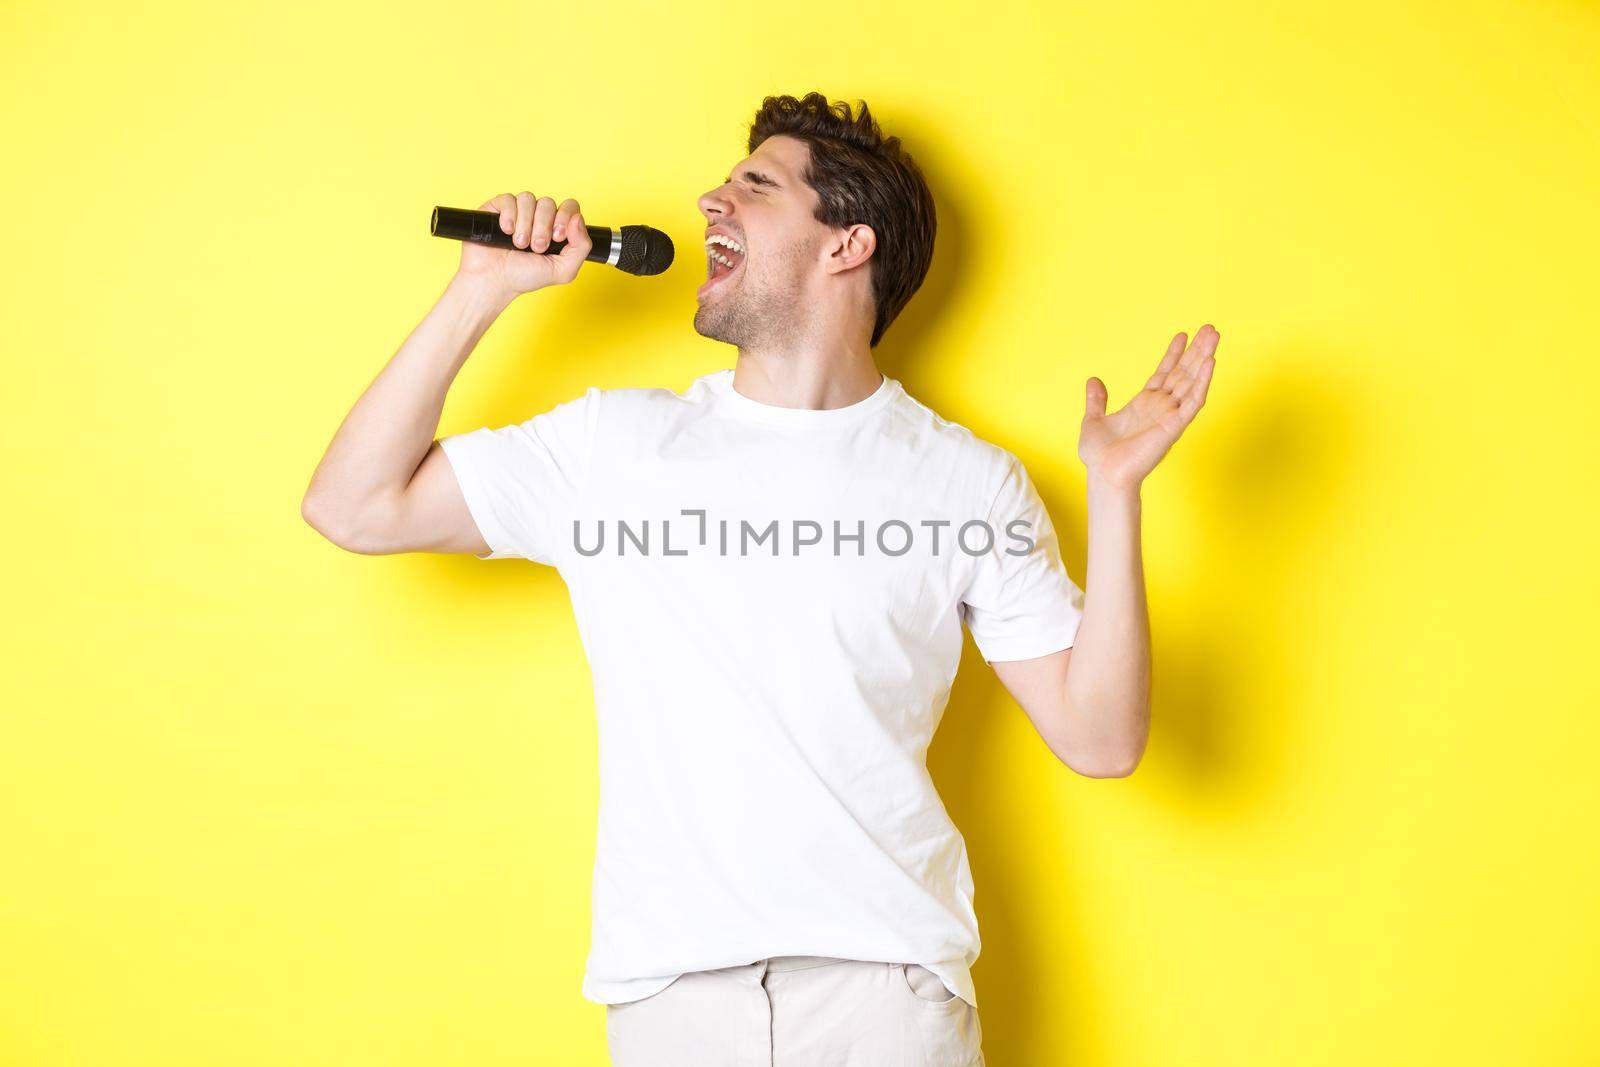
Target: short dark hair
<point>861,177</point>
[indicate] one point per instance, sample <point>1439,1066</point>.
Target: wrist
<point>1101,489</point>
<point>481,294</point>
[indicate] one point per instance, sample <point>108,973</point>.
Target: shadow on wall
<point>1223,712</point>
<point>901,352</point>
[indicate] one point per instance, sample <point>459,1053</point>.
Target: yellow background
<point>263,801</point>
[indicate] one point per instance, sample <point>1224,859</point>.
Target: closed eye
<point>756,179</point>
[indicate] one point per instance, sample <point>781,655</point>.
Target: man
<point>770,572</point>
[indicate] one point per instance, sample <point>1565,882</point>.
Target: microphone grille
<point>645,250</point>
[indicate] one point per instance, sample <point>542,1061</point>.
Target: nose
<point>714,203</point>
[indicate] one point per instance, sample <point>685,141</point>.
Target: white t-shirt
<point>771,603</point>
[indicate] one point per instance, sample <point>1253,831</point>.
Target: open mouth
<point>724,257</point>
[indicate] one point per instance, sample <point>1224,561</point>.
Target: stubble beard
<point>753,314</point>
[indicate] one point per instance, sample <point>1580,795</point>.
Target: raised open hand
<point>1120,449</point>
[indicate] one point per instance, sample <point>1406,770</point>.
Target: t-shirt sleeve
<point>523,482</point>
<point>1020,602</point>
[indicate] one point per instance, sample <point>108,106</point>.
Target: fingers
<point>1204,343</point>
<point>1094,398</point>
<point>506,205</point>
<point>1189,378</point>
<point>1176,373</point>
<point>1202,347</point>
<point>1189,407</point>
<point>572,257</point>
<point>535,222</point>
<point>558,230</point>
<point>1159,378</point>
<point>522,232</point>
<point>544,217</point>
<point>571,228</point>
<point>566,230</point>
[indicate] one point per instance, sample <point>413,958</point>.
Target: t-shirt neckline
<point>737,403</point>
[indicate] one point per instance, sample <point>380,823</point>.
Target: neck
<point>825,364</point>
<point>816,380</point>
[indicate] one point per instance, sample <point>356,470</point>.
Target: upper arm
<point>1039,686</point>
<point>1024,609</point>
<point>433,514</point>
<point>499,493</point>
<point>429,515</point>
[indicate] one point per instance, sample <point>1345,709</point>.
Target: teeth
<point>714,257</point>
<point>726,242</point>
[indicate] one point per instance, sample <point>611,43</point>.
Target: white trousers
<point>798,1011</point>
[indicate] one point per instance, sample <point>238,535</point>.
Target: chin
<point>708,327</point>
<point>713,321</point>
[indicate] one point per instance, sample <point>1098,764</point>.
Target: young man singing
<point>770,572</point>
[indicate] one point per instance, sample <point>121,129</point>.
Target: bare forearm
<point>1108,677</point>
<point>387,433</point>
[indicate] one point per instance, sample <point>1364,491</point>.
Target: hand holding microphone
<point>522,243</point>
<point>530,223</point>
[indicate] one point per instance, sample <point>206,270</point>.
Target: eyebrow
<point>757,178</point>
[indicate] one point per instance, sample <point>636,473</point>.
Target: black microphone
<point>634,249</point>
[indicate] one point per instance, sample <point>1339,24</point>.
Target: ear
<point>851,247</point>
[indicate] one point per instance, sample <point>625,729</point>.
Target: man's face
<point>770,213</point>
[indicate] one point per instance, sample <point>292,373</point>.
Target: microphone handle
<point>483,227</point>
